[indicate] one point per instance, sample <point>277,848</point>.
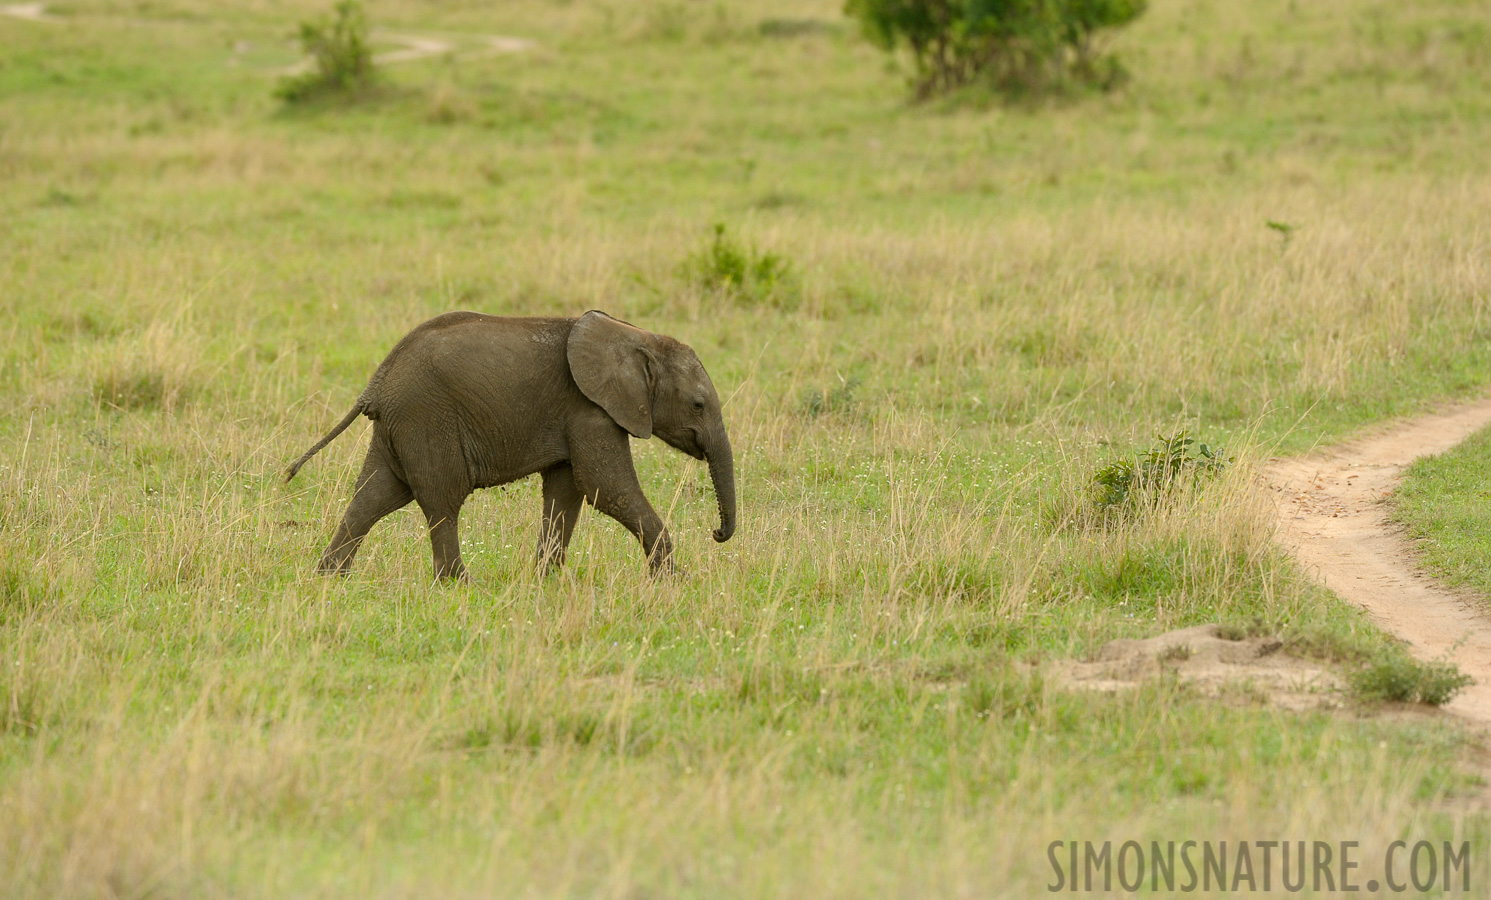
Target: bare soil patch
<point>35,12</point>
<point>411,47</point>
<point>1201,657</point>
<point>415,47</point>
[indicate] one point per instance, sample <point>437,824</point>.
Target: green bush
<point>1019,46</point>
<point>1402,679</point>
<point>343,59</point>
<point>1176,460</point>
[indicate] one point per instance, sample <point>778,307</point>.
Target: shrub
<point>728,268</point>
<point>1400,678</point>
<point>1176,460</point>
<point>1020,46</point>
<point>342,58</point>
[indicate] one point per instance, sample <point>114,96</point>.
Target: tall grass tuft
<point>727,268</point>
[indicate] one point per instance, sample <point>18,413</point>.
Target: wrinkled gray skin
<point>468,401</point>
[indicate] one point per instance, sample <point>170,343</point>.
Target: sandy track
<point>416,47</point>
<point>413,47</point>
<point>1332,518</point>
<point>34,12</point>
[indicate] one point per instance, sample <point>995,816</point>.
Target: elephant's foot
<point>548,560</point>
<point>453,573</point>
<point>663,567</point>
<point>338,556</point>
<point>336,562</point>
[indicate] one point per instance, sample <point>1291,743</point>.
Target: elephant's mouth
<point>693,445</point>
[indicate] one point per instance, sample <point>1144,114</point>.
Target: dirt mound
<point>1210,663</point>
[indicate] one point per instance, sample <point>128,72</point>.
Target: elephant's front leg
<point>638,516</point>
<point>562,502</point>
<point>610,485</point>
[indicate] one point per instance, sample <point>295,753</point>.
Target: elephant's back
<point>468,358</point>
<point>475,333</point>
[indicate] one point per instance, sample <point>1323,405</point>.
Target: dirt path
<point>1331,516</point>
<point>412,47</point>
<point>415,47</point>
<point>35,12</point>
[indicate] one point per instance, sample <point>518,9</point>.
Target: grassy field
<point>983,306</point>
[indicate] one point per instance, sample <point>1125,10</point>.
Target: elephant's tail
<point>321,444</point>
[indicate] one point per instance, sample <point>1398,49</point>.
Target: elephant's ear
<point>611,362</point>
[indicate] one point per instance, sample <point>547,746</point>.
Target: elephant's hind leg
<point>379,492</point>
<point>443,514</point>
<point>562,502</point>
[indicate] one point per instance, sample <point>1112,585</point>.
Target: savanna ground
<point>984,304</point>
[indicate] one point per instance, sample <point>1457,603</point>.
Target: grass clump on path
<point>1400,678</point>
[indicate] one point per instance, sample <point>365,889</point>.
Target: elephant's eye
<point>698,406</point>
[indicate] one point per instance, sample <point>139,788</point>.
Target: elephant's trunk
<point>722,471</point>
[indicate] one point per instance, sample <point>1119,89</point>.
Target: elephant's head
<point>651,384</point>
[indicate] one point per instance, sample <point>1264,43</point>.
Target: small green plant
<point>341,56</point>
<point>1398,677</point>
<point>1284,229</point>
<point>1019,46</point>
<point>1176,460</point>
<point>726,267</point>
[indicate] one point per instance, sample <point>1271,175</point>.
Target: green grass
<point>988,305</point>
<point>1442,503</point>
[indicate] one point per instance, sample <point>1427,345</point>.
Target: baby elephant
<point>468,401</point>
